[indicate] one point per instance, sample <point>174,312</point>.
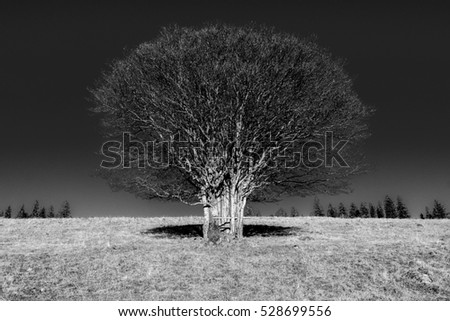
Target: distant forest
<point>386,209</point>
<point>39,212</point>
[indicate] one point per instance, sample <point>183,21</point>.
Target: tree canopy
<point>240,103</point>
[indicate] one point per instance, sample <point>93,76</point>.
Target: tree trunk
<point>207,216</point>
<point>240,206</point>
<point>227,208</point>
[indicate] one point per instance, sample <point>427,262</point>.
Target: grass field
<point>305,258</point>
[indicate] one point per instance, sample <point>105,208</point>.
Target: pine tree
<point>372,211</point>
<point>364,210</point>
<point>317,208</point>
<point>8,212</point>
<point>51,212</point>
<point>428,214</point>
<point>22,213</point>
<point>65,210</point>
<point>294,212</point>
<point>389,207</point>
<point>402,211</point>
<point>422,216</point>
<point>439,210</point>
<point>42,213</point>
<point>35,211</point>
<point>353,212</point>
<point>332,212</point>
<point>380,211</point>
<point>342,210</point>
<point>281,212</point>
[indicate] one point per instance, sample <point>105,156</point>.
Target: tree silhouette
<point>364,211</point>
<point>439,210</point>
<point>342,211</point>
<point>235,100</point>
<point>317,208</point>
<point>22,214</point>
<point>354,211</point>
<point>42,213</point>
<point>332,212</point>
<point>65,211</point>
<point>35,211</point>
<point>389,208</point>
<point>380,211</point>
<point>372,211</point>
<point>402,211</point>
<point>8,212</point>
<point>51,212</point>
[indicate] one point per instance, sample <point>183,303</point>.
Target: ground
<point>306,258</point>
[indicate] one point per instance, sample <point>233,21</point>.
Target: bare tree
<point>236,101</point>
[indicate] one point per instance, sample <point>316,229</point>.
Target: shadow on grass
<point>196,230</point>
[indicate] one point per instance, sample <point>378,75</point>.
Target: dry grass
<point>295,259</point>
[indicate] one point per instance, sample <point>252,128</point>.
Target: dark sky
<point>50,54</point>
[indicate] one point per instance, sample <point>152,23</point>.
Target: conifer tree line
<point>386,209</point>
<point>281,212</point>
<point>438,212</point>
<point>39,212</point>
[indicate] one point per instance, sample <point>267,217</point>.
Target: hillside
<point>304,258</point>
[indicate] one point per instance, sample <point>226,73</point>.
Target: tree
<point>281,212</point>
<point>8,212</point>
<point>402,211</point>
<point>354,212</point>
<point>380,211</point>
<point>422,217</point>
<point>439,211</point>
<point>65,211</point>
<point>230,103</point>
<point>317,208</point>
<point>364,211</point>
<point>294,212</point>
<point>42,213</point>
<point>428,214</point>
<point>389,208</point>
<point>342,210</point>
<point>332,212</point>
<point>51,212</point>
<point>22,213</point>
<point>35,211</point>
<point>372,211</point>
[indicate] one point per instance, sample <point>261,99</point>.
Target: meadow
<point>303,258</point>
